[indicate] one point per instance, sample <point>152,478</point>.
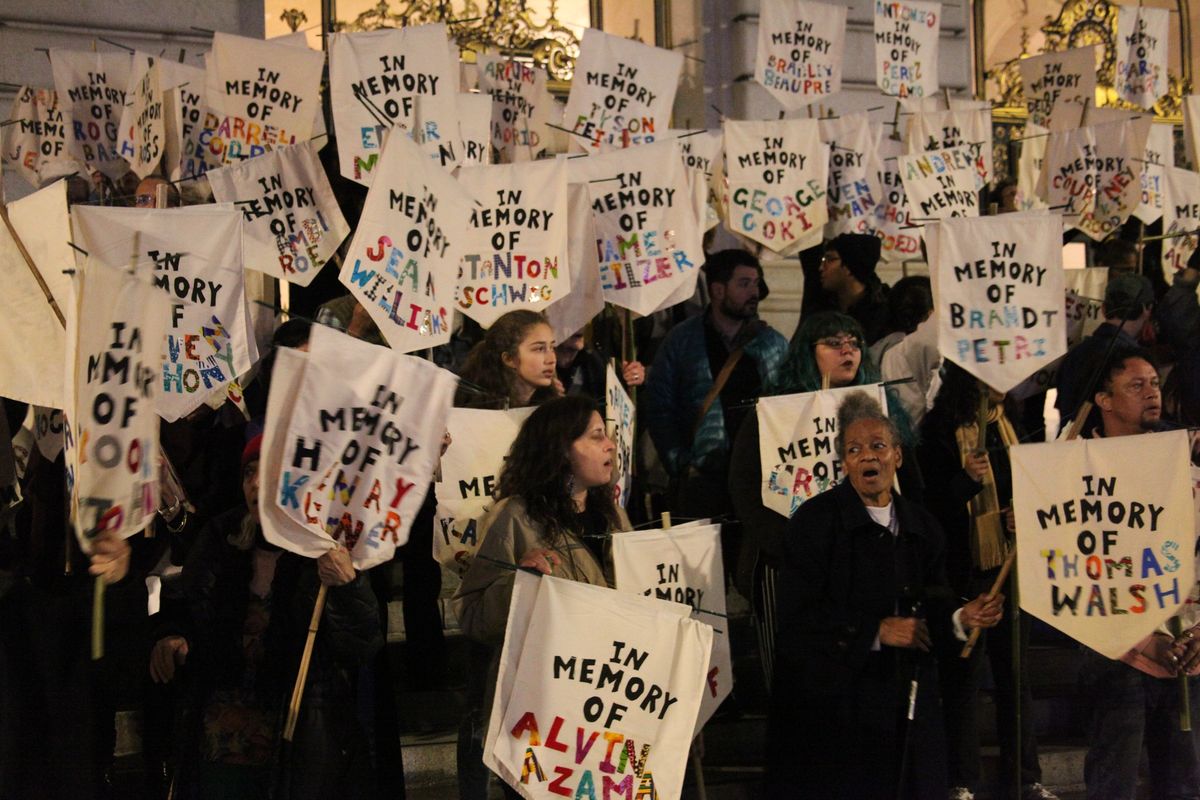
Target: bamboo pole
<point>1175,625</point>
<point>293,716</point>
<point>37,275</point>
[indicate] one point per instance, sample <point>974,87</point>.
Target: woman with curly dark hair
<point>973,506</point>
<point>512,366</point>
<point>554,512</point>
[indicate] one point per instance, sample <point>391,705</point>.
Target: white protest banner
<point>1029,168</point>
<point>114,329</point>
<point>1181,214</point>
<point>31,335</point>
<point>1085,292</point>
<point>1119,155</point>
<point>622,92</point>
<point>648,236</point>
<point>36,140</point>
<point>906,47</point>
<point>91,88</point>
<point>402,263</point>
<point>1105,545</point>
<point>855,190</point>
<point>474,128</point>
<point>355,451</point>
<point>700,149</point>
<point>470,474</point>
<point>1191,129</point>
<point>1058,85</point>
<point>619,415</point>
<point>934,131</point>
<point>260,94</point>
<point>521,106</point>
<point>682,565</point>
<point>515,252</point>
<point>998,293</point>
<point>897,238</point>
<point>293,222</point>
<point>1160,153</point>
<point>170,75</point>
<point>148,140</point>
<point>595,703</point>
<point>573,312</point>
<point>796,436</point>
<point>941,184</point>
<point>776,173</point>
<point>194,255</point>
<point>375,80</point>
<point>190,147</point>
<point>1083,314</point>
<point>800,49</point>
<point>1141,49</point>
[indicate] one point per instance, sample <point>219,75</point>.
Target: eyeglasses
<point>1139,388</point>
<point>841,343</point>
<point>829,258</point>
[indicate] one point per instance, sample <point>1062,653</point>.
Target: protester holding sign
<point>234,642</point>
<point>706,375</point>
<point>973,505</point>
<point>863,601</point>
<point>553,511</point>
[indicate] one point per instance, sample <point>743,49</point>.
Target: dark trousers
<point>1131,709</point>
<point>961,679</point>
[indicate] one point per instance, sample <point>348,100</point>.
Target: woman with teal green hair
<point>828,349</point>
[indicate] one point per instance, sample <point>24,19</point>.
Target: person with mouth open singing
<point>862,603</point>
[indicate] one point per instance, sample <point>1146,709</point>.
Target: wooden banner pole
<point>293,716</point>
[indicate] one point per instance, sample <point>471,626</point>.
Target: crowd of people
<point>864,594</point>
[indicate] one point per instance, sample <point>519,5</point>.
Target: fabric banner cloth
<point>891,215</point>
<point>31,336</point>
<point>855,189</point>
<point>474,130</point>
<point>147,133</point>
<point>91,88</point>
<point>349,453</point>
<point>776,177</point>
<point>1160,153</point>
<point>1191,128</point>
<point>470,474</point>
<point>194,256</point>
<point>190,147</point>
<point>998,294</point>
<point>586,300</point>
<point>800,50</point>
<point>293,224</point>
<point>36,141</point>
<point>376,80</point>
<point>1058,85</point>
<point>521,106</point>
<point>402,264</point>
<point>1029,168</point>
<point>261,95</point>
<point>796,438</point>
<point>619,414</point>
<point>113,332</point>
<point>682,565</point>
<point>1181,213</point>
<point>515,251</point>
<point>906,48</point>
<point>648,236</point>
<point>1141,50</point>
<point>934,131</point>
<point>591,703</point>
<point>941,184</point>
<point>622,93</point>
<point>1105,545</point>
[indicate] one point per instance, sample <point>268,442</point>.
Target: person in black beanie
<point>848,273</point>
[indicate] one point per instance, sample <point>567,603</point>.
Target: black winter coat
<point>837,722</point>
